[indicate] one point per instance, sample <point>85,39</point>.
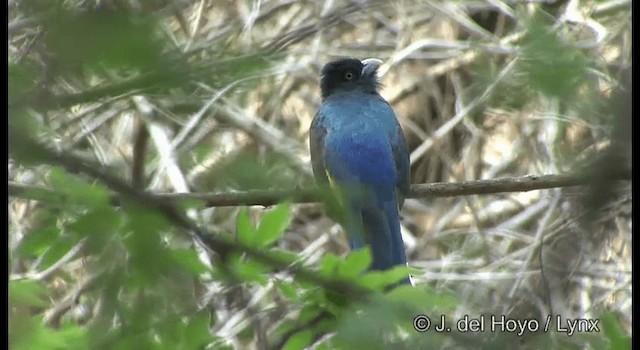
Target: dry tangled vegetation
<point>483,90</point>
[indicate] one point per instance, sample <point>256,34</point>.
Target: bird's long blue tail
<point>381,226</point>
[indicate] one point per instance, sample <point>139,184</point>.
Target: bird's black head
<point>350,74</point>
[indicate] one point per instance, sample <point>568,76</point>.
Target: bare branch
<point>271,197</point>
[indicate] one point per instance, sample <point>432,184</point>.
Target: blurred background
<point>218,96</point>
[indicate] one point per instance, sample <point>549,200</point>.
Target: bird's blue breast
<point>345,109</point>
<point>360,155</point>
<point>357,144</point>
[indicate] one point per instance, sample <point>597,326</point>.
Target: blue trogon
<point>358,148</point>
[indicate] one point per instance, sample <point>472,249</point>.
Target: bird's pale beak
<point>370,66</point>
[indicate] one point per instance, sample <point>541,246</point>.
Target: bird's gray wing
<point>317,133</point>
<point>401,158</point>
<point>398,147</point>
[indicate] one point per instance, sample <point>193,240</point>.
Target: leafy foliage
<point>552,67</point>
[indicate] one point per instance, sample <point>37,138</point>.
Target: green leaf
<point>613,331</point>
<point>39,240</point>
<point>357,261</point>
<point>99,225</point>
<point>287,289</point>
<point>170,331</point>
<point>196,333</point>
<point>380,279</point>
<point>418,297</point>
<point>29,334</point>
<point>369,325</point>
<point>149,257</point>
<point>329,265</point>
<point>75,336</point>
<point>245,230</point>
<point>22,78</point>
<point>145,219</point>
<point>56,251</point>
<point>77,191</point>
<point>284,255</point>
<point>99,221</point>
<point>299,340</point>
<point>553,67</point>
<point>250,271</point>
<point>27,292</point>
<point>134,341</point>
<point>188,258</point>
<point>272,225</point>
<point>94,39</point>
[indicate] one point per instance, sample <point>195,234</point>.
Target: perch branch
<point>271,197</point>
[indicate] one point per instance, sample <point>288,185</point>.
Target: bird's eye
<point>348,75</point>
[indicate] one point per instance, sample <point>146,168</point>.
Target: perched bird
<point>358,147</point>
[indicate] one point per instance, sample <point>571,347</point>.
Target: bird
<point>357,147</point>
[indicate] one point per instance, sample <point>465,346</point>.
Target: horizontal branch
<point>271,197</point>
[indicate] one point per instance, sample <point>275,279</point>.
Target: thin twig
<point>43,275</point>
<point>53,315</point>
<point>451,123</point>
